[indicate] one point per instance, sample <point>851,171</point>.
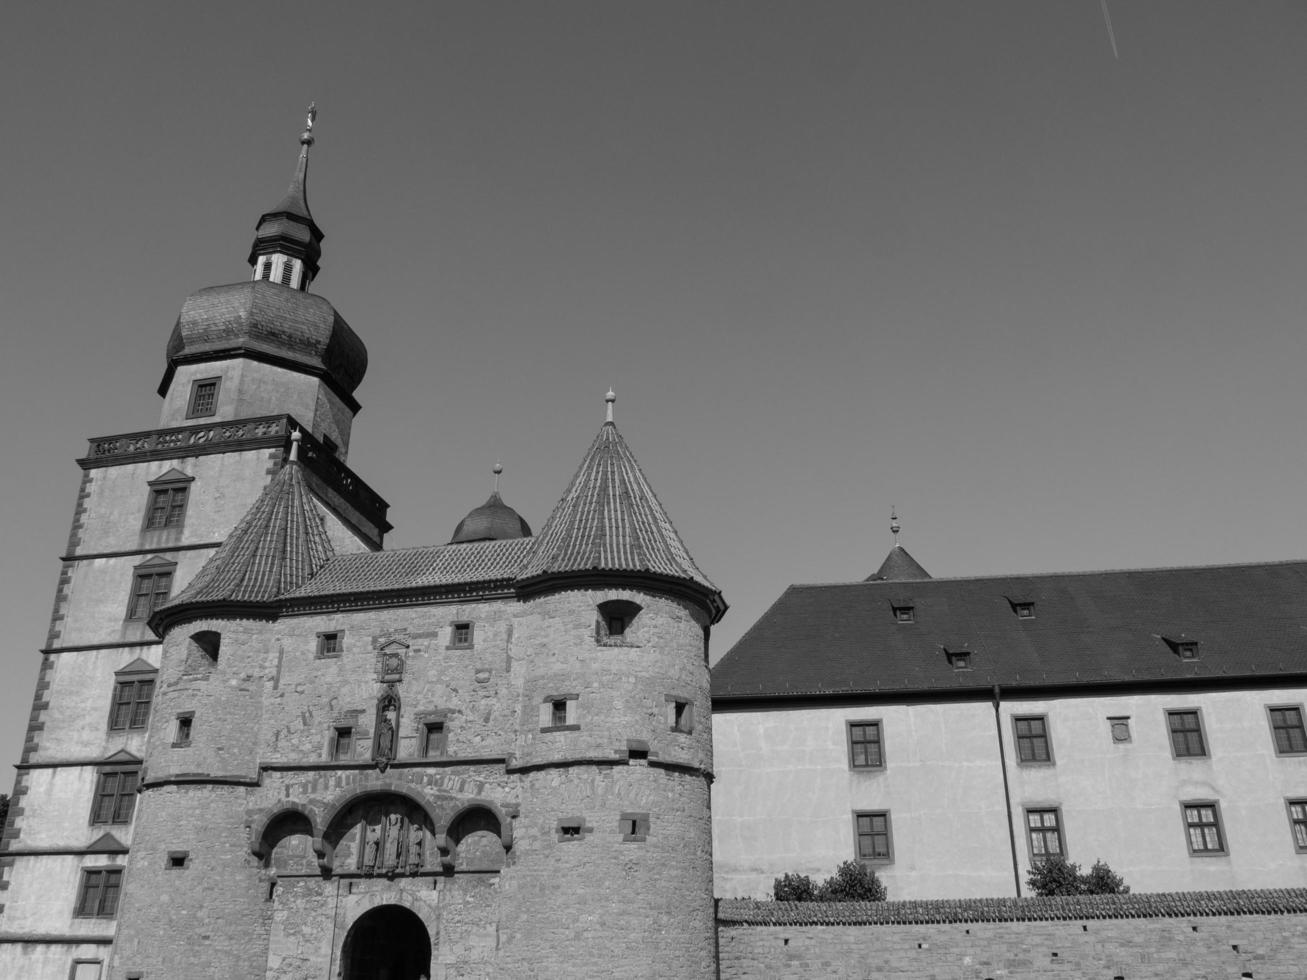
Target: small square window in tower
<point>182,731</point>
<point>616,622</point>
<point>680,715</point>
<point>204,398</point>
<point>559,712</point>
<point>460,636</point>
<point>330,644</point>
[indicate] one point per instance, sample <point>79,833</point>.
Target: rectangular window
<point>872,830</point>
<point>287,272</point>
<point>680,715</point>
<point>1187,740</point>
<point>182,736</point>
<point>1033,744</point>
<point>1287,730</point>
<point>1298,824</point>
<point>559,712</point>
<point>331,644</point>
<point>865,746</point>
<point>167,507</point>
<point>460,635</point>
<point>131,705</point>
<point>115,796</point>
<point>98,898</point>
<point>149,592</point>
<point>434,744</point>
<point>1044,833</point>
<point>342,744</point>
<point>1202,820</point>
<point>204,398</point>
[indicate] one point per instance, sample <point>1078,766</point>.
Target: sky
<point>953,257</point>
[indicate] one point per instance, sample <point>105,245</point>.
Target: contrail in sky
<point>1111,34</point>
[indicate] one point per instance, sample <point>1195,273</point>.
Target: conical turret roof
<point>898,566</point>
<point>610,521</point>
<point>278,545</point>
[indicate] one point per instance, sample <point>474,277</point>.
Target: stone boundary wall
<point>1192,935</point>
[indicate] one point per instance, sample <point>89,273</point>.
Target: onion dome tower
<point>492,521</point>
<point>614,743</point>
<point>898,566</point>
<point>266,346</point>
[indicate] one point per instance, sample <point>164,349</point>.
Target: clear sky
<point>954,257</point>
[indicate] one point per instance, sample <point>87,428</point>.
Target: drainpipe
<point>1007,792</point>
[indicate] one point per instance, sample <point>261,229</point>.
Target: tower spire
<point>288,242</point>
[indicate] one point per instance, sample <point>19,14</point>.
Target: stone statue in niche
<point>394,842</point>
<point>384,744</point>
<point>371,847</point>
<point>415,835</point>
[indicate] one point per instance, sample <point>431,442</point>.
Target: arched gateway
<point>387,943</point>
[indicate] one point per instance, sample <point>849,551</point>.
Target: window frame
<point>1295,822</point>
<point>432,726</point>
<point>571,713</point>
<point>351,736</point>
<point>1301,728</point>
<point>111,874</point>
<point>1217,823</point>
<point>194,397</point>
<point>1058,828</point>
<point>183,729</point>
<point>879,742</point>
<point>1046,735</point>
<point>326,637</point>
<point>132,705</point>
<point>168,489</point>
<point>679,705</point>
<point>1206,752</point>
<point>872,834</point>
<point>466,643</point>
<point>122,795</point>
<point>151,570</point>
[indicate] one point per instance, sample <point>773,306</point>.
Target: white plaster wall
<point>80,695</point>
<point>40,961</point>
<point>43,893</point>
<point>57,810</point>
<point>225,484</point>
<point>784,798</point>
<point>96,608</point>
<point>1121,801</point>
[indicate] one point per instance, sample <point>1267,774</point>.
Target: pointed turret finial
<point>296,437</point>
<point>894,525</point>
<point>498,468</point>
<point>307,135</point>
<point>610,398</point>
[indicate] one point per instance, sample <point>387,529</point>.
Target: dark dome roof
<point>266,318</point>
<point>492,521</point>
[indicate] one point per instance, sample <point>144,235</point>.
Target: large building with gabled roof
<point>264,746</point>
<point>952,733</point>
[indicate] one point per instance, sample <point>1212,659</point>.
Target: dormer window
<point>1024,610</point>
<point>958,659</point>
<point>905,614</point>
<point>1185,649</point>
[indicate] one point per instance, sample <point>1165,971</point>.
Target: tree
<point>794,888</point>
<point>1056,876</point>
<point>852,882</point>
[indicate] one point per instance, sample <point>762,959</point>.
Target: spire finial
<point>894,525</point>
<point>610,398</point>
<point>306,137</point>
<point>296,437</point>
<point>498,468</point>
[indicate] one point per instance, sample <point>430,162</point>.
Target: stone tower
<point>247,364</point>
<point>488,758</point>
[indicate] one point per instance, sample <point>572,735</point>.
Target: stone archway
<point>388,942</point>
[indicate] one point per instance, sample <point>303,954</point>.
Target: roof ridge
<point>1064,574</point>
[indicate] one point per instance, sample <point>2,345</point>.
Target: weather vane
<point>313,115</point>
